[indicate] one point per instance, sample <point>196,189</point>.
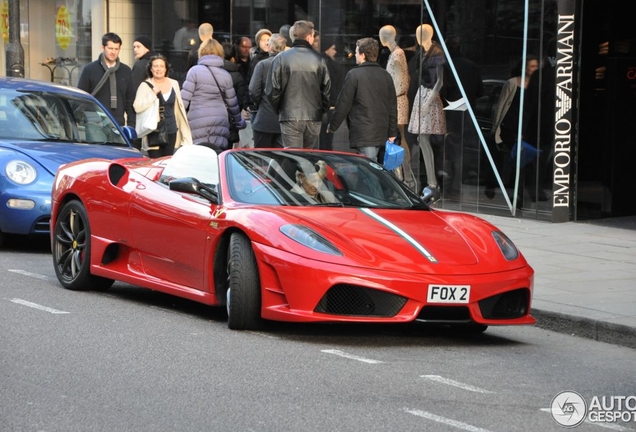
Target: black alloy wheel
<point>72,250</point>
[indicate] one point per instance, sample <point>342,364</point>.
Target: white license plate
<point>448,294</point>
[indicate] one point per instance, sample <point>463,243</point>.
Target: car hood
<point>53,154</point>
<point>407,240</point>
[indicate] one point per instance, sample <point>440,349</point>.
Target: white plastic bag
<point>147,120</point>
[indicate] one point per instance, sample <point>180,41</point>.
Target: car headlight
<point>508,249</point>
<point>20,172</point>
<point>309,238</point>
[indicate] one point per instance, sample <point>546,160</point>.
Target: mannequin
<point>428,117</point>
<point>398,69</point>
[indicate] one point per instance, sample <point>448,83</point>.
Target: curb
<point>602,331</point>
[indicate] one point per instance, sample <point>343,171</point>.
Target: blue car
<point>43,126</point>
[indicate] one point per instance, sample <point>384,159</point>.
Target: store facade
<point>577,113</point>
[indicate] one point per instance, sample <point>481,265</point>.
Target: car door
<point>170,232</point>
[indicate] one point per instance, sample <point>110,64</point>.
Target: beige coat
<point>144,99</point>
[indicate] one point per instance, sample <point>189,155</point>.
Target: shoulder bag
<point>234,133</point>
<point>158,137</point>
<point>147,120</point>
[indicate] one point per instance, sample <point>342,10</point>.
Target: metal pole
<point>15,52</point>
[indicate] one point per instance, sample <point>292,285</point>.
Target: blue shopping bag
<point>528,153</point>
<point>393,156</point>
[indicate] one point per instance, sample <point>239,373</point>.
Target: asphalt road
<point>135,360</point>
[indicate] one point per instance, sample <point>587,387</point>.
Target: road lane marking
<point>352,357</point>
<point>451,382</point>
<point>26,273</point>
<point>603,425</point>
<point>446,421</point>
<point>37,306</point>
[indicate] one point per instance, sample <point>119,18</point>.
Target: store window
<point>493,50</point>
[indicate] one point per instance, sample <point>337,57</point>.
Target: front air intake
<point>508,305</point>
<point>352,300</point>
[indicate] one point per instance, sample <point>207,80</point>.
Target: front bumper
<point>302,290</point>
<point>25,221</point>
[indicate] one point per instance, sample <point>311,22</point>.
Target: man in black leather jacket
<point>299,89</point>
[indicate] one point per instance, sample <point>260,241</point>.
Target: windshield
<point>46,116</point>
<point>305,178</point>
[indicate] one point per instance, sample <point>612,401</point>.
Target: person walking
<point>111,81</point>
<point>299,88</point>
<point>208,95</point>
<point>142,47</point>
<point>265,120</point>
<point>327,46</point>
<point>159,85</point>
<point>261,40</point>
<point>367,100</point>
<point>505,128</point>
<point>240,87</point>
<point>243,51</point>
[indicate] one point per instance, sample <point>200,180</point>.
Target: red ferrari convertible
<point>286,235</point>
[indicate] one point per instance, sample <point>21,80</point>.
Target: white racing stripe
<point>37,306</point>
<point>401,232</point>
<point>609,426</point>
<point>26,273</point>
<point>352,357</point>
<point>454,383</point>
<point>446,421</point>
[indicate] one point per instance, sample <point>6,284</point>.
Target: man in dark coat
<point>265,122</point>
<point>368,102</point>
<point>111,81</point>
<point>299,88</point>
<point>239,84</point>
<point>142,47</point>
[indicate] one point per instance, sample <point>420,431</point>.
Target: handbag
<point>234,132</point>
<point>147,120</point>
<point>393,155</point>
<point>159,137</point>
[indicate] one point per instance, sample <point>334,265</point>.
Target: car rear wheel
<point>72,250</point>
<point>244,288</point>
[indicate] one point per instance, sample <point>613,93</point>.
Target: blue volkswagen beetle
<point>43,126</point>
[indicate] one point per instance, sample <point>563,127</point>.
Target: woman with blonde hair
<point>159,85</point>
<point>208,94</point>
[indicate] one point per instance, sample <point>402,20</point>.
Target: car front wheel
<point>244,288</point>
<point>72,250</point>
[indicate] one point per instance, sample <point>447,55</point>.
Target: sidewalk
<point>585,275</point>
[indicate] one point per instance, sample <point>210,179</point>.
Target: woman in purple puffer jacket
<point>208,95</point>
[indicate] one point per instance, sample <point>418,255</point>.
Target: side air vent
<point>115,173</point>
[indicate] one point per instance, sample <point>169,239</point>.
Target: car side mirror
<point>192,185</point>
<point>130,133</point>
<point>430,195</point>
